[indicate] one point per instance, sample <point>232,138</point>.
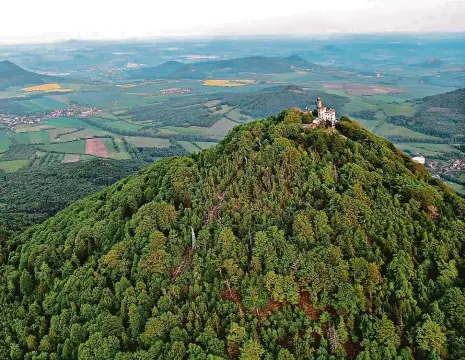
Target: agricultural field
<point>4,142</point>
<point>39,137</point>
<point>71,147</point>
<point>148,142</point>
<point>13,165</point>
<point>205,145</point>
<point>44,87</point>
<point>221,127</point>
<point>227,82</point>
<point>189,146</point>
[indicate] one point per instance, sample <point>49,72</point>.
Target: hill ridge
<point>280,242</point>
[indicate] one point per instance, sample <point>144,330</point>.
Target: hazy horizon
<point>49,21</point>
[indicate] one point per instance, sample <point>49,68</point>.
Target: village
<point>11,122</point>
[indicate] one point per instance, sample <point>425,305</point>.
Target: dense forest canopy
<point>282,242</point>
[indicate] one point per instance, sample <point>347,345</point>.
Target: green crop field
<point>22,138</point>
<point>221,127</point>
<point>205,145</point>
<point>426,149</point>
<point>387,130</point>
<point>12,166</point>
<point>119,125</point>
<point>81,134</point>
<point>39,137</point>
<point>122,154</point>
<point>57,132</point>
<point>4,142</point>
<point>69,122</point>
<point>406,109</point>
<point>71,147</point>
<point>190,147</point>
<point>236,115</point>
<point>137,141</point>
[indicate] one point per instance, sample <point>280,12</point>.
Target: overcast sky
<point>51,20</point>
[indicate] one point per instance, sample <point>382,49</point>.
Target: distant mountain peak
<point>9,68</point>
<point>295,57</point>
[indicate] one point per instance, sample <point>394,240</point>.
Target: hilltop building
<point>324,113</point>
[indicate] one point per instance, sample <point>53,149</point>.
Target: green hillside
<point>13,75</point>
<point>440,115</point>
<point>281,242</point>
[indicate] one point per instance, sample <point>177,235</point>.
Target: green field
<point>190,147</point>
<point>12,166</point>
<point>122,154</point>
<point>119,125</point>
<point>69,122</point>
<point>23,138</point>
<point>205,145</point>
<point>221,127</point>
<point>388,129</point>
<point>4,142</point>
<point>71,147</point>
<point>39,137</point>
<point>82,134</point>
<point>137,141</point>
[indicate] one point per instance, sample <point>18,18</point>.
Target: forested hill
<point>13,75</point>
<point>279,243</point>
<point>440,115</point>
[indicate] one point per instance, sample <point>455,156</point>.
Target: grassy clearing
<point>55,133</point>
<point>23,138</point>
<point>457,187</point>
<point>190,147</point>
<point>387,129</point>
<point>137,141</point>
<point>29,128</point>
<point>221,127</point>
<point>122,154</point>
<point>39,137</point>
<point>71,147</point>
<point>236,115</point>
<point>12,166</point>
<point>69,122</point>
<point>119,125</point>
<point>425,149</point>
<point>205,145</point>
<point>406,109</point>
<point>81,134</point>
<point>4,142</point>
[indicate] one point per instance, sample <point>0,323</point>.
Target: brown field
<point>70,158</point>
<point>361,89</point>
<point>96,147</point>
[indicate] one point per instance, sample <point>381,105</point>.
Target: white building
<point>419,159</point>
<point>325,113</point>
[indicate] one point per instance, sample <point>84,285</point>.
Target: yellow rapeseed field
<point>226,82</point>
<point>44,87</point>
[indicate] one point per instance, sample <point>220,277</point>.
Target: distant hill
<point>440,115</point>
<point>434,63</point>
<point>201,70</point>
<point>14,75</point>
<point>281,242</point>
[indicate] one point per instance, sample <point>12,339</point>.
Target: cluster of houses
<point>10,122</point>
